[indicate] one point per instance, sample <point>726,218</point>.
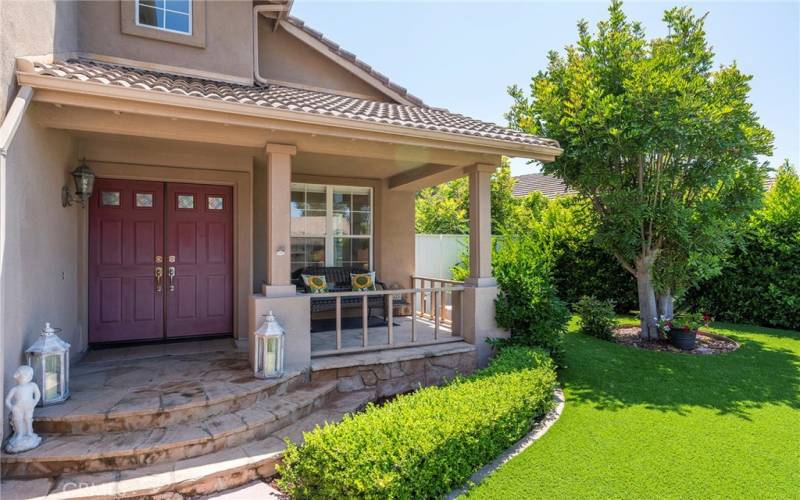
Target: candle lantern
<point>269,338</point>
<point>49,358</point>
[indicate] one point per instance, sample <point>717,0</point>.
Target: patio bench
<point>338,279</point>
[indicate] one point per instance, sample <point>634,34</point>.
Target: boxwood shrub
<point>424,444</point>
<point>597,317</point>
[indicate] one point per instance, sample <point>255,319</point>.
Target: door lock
<point>171,274</point>
<point>159,274</point>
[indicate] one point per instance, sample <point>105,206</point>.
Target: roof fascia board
<point>344,63</point>
<point>198,108</point>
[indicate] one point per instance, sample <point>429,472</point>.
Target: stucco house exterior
<point>234,147</point>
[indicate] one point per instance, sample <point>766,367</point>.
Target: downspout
<point>8,129</point>
<point>256,11</point>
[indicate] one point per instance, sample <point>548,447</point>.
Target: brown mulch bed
<point>707,342</point>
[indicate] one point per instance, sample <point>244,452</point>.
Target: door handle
<point>171,274</point>
<point>159,274</point>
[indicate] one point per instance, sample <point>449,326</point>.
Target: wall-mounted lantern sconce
<point>84,183</point>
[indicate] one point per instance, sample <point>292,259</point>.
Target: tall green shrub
<point>760,282</point>
<point>579,267</point>
<point>527,304</point>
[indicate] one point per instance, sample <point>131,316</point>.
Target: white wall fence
<point>437,253</point>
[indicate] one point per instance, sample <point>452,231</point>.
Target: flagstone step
<point>190,477</point>
<point>159,392</point>
<point>116,451</point>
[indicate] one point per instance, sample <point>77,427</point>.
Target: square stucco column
<point>480,289</point>
<point>279,179</point>
<point>480,224</point>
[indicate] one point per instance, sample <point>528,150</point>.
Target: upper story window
<point>168,15</point>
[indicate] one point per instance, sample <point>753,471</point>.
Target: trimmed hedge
<point>424,444</point>
<point>760,282</point>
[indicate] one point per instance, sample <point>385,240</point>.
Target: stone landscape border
<point>661,346</point>
<point>541,427</point>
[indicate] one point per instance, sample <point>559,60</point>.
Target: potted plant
<point>681,330</point>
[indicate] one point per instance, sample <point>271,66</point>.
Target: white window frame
<point>329,235</point>
<point>165,9</point>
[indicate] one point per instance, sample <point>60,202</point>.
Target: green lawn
<point>642,424</point>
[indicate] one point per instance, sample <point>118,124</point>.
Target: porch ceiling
<point>407,166</point>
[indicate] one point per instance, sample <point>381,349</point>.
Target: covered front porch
<point>210,203</point>
<point>273,169</point>
<point>211,199</point>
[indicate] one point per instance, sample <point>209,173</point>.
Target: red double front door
<point>160,260</point>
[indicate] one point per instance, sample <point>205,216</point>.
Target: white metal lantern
<point>49,358</point>
<point>269,339</point>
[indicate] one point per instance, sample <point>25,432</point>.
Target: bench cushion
<point>315,283</point>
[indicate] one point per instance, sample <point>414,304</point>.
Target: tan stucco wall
<point>32,28</point>
<point>284,58</point>
<point>228,48</point>
<point>43,244</point>
<point>397,236</point>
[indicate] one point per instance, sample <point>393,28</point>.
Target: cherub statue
<point>22,399</point>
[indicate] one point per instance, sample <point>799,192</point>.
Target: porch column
<point>480,288</point>
<point>279,178</point>
<point>480,224</point>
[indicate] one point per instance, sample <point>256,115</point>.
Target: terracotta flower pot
<point>683,339</point>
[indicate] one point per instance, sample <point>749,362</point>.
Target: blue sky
<point>463,55</point>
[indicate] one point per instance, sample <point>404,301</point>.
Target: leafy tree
<point>444,209</point>
<point>440,210</point>
<point>664,146</point>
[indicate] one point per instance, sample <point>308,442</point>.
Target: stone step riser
<point>183,450</point>
<point>161,418</point>
<point>210,484</point>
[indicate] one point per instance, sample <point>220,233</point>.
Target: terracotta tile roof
<point>336,49</point>
<point>287,99</point>
<point>548,185</point>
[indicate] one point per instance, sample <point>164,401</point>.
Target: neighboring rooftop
<point>286,98</point>
<point>548,185</point>
<point>552,187</point>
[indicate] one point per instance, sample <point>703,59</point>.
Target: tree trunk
<point>665,303</point>
<point>647,298</point>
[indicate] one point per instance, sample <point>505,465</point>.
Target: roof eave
<point>444,140</point>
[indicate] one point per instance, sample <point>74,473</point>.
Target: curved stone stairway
<point>125,435</point>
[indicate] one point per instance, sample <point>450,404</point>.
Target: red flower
<point>706,318</point>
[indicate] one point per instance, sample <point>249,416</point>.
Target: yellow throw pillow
<point>315,284</point>
<point>362,281</point>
